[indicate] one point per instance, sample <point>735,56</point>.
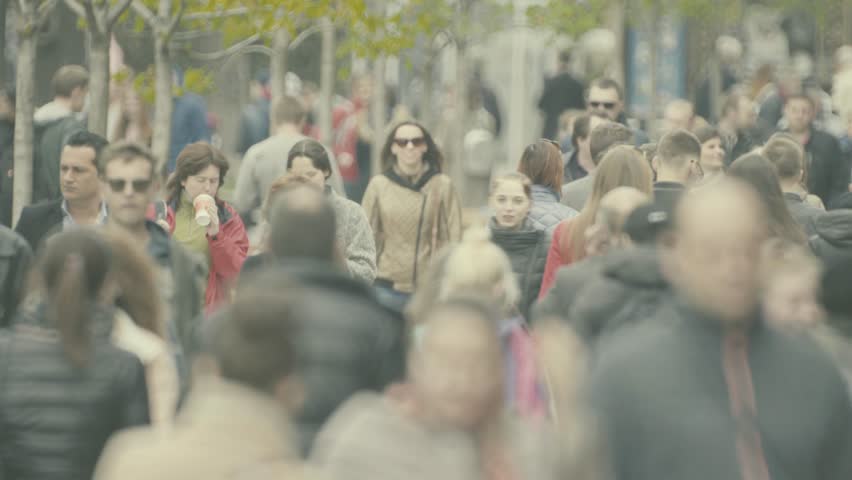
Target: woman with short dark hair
<point>541,162</point>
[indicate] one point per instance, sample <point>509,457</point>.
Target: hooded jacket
<point>527,250</point>
<point>833,240</point>
<point>546,211</point>
<point>53,125</point>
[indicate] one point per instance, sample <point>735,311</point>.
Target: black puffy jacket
<point>833,240</point>
<point>630,289</point>
<point>350,343</point>
<point>527,250</point>
<point>55,418</point>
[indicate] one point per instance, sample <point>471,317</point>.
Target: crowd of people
<point>625,309</point>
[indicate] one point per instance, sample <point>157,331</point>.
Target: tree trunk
<point>653,96</point>
<point>24,109</point>
<point>326,81</point>
<point>4,6</point>
<point>427,110</point>
<point>278,68</point>
<point>161,142</point>
<point>461,114</point>
<point>98,82</point>
<point>379,107</point>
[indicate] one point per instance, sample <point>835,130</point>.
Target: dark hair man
<point>561,92</point>
<point>717,363</point>
<point>788,157</point>
<point>602,138</point>
<point>828,169</point>
<point>606,97</point>
<point>80,201</point>
<point>676,162</point>
<point>54,123</point>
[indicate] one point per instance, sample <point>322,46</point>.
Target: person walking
<point>541,162</point>
<point>604,136</point>
<point>788,158</point>
<point>413,208</point>
<point>712,152</point>
<point>222,245</point>
<point>65,387</point>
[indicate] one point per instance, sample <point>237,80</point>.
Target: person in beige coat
<point>235,424</point>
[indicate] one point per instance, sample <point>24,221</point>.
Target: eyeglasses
<point>415,142</point>
<point>605,105</point>
<point>120,185</point>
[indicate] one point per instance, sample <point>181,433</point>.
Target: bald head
<point>719,231</point>
<point>617,205</point>
<point>302,224</point>
<point>679,115</point>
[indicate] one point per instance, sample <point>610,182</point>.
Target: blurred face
<point>128,189</point>
<point>678,118</point>
<point>78,98</point>
<point>712,155</point>
<point>457,371</point>
<point>409,146</point>
<point>78,177</point>
<point>790,301</point>
<point>605,101</point>
<point>510,204</point>
<point>304,167</point>
<point>799,115</point>
<point>746,114</point>
<point>716,252</point>
<point>206,181</point>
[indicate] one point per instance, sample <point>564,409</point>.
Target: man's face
<point>790,300</point>
<point>605,101</point>
<point>678,117</point>
<point>799,114</point>
<point>716,254</point>
<point>746,114</point>
<point>78,99</point>
<point>78,177</point>
<point>128,189</point>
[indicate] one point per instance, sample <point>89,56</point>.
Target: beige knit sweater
<point>410,225</point>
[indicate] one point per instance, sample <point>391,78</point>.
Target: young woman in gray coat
<point>542,163</point>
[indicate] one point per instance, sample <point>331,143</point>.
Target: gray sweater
<point>355,237</point>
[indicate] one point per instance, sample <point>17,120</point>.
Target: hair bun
<point>476,235</point>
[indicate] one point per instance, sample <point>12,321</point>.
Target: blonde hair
<point>477,266</point>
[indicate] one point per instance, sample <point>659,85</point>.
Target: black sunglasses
<point>119,185</point>
<point>415,142</point>
<point>606,105</point>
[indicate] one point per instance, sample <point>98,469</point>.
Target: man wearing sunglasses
<point>80,203</point>
<point>606,98</point>
<point>130,187</point>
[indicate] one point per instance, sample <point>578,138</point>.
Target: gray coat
<point>804,213</point>
<point>355,237</point>
<point>546,211</point>
<point>576,193</point>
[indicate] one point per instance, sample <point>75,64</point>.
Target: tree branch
<point>177,19</point>
<point>211,15</point>
<point>44,10</point>
<point>303,35</point>
<point>76,7</point>
<point>223,54</point>
<point>143,11</point>
<point>117,11</point>
<point>96,22</point>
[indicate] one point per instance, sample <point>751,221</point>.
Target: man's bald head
<point>617,205</point>
<point>719,231</point>
<point>302,224</point>
<point>679,115</point>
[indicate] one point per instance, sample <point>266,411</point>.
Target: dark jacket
<point>629,290</point>
<point>55,418</point>
<point>546,211</point>
<point>527,250</point>
<point>804,213</point>
<point>828,171</point>
<point>53,125</point>
<point>832,242</point>
<point>7,165</point>
<point>350,343</point>
<point>570,281</point>
<point>666,408</point>
<point>667,195</point>
<point>40,221</point>
<point>15,261</point>
<point>254,125</point>
<point>573,169</point>
<point>561,92</point>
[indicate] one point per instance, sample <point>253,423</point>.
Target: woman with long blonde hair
<point>622,166</point>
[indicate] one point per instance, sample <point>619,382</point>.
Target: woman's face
<point>790,301</point>
<point>510,204</point>
<point>712,155</point>
<point>206,181</point>
<point>409,146</point>
<point>304,167</point>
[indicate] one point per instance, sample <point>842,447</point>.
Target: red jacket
<point>228,251</point>
<point>554,258</point>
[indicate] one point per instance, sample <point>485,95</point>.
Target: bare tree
<point>31,17</point>
<point>100,18</point>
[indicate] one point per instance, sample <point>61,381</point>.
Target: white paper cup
<point>201,203</point>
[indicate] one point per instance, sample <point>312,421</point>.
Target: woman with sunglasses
<point>222,244</point>
<point>542,163</point>
<point>413,209</point>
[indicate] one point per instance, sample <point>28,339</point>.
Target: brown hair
<point>125,152</point>
<point>289,109</point>
<point>706,133</point>
<point>605,136</point>
<point>282,184</point>
<point>432,157</point>
<point>194,158</point>
<point>525,182</point>
<point>67,78</point>
<point>542,163</point>
<point>606,84</point>
<point>132,272</point>
<point>622,166</point>
<point>677,148</point>
<point>786,155</point>
<point>73,270</point>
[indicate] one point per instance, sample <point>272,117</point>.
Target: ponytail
<point>69,310</point>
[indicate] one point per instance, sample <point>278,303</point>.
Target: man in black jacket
<point>80,203</point>
<point>715,393</point>
<point>15,262</point>
<point>351,343</point>
<point>562,92</point>
<point>827,168</point>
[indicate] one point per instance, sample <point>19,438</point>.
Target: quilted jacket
<point>527,250</point>
<point>546,211</point>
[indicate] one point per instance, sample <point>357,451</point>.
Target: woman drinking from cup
<point>203,223</point>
